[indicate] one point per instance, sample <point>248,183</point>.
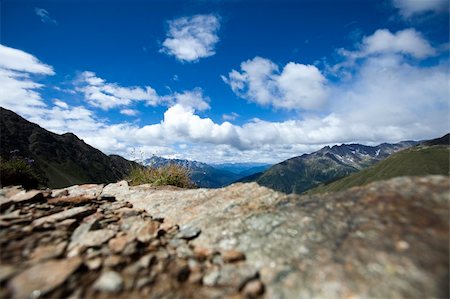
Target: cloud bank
<point>389,96</point>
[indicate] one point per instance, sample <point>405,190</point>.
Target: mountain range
<point>428,157</point>
<point>61,160</point>
<point>307,171</point>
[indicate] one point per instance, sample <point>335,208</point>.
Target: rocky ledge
<point>385,240</point>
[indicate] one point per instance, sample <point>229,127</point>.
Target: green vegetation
<point>419,160</point>
<point>17,171</point>
<point>171,174</point>
<point>298,175</point>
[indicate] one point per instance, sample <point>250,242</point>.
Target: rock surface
<point>385,240</point>
<point>43,278</point>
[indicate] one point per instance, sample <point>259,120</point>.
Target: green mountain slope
<point>418,160</point>
<point>62,160</point>
<point>298,174</point>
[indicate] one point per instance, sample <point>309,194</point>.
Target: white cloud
<point>45,16</point>
<point>182,123</point>
<point>17,60</point>
<point>190,99</point>
<point>99,93</point>
<point>406,42</point>
<point>18,92</point>
<point>192,38</point>
<point>129,112</point>
<point>59,119</point>
<point>231,116</point>
<point>383,43</point>
<point>65,90</point>
<point>410,8</point>
<point>388,98</point>
<point>18,89</point>
<point>297,86</point>
<point>60,104</point>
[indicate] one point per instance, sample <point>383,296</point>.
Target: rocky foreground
<point>385,240</point>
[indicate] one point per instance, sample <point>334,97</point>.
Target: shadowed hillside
<point>62,160</point>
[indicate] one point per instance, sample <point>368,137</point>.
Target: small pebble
<point>253,289</point>
<point>189,232</point>
<point>211,278</point>
<point>110,282</point>
<point>232,256</point>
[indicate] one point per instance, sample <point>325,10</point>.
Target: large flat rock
<point>385,240</point>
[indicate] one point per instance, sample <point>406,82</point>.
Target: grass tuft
<point>16,171</point>
<point>171,174</point>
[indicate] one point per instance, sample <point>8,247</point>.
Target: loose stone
<point>109,281</point>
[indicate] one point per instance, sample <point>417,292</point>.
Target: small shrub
<point>171,174</point>
<point>16,171</point>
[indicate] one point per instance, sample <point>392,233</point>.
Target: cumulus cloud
<point>193,99</point>
<point>45,16</point>
<point>192,38</point>
<point>101,94</point>
<point>406,42</point>
<point>410,8</point>
<point>296,86</point>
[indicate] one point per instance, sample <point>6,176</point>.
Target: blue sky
<point>223,81</point>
